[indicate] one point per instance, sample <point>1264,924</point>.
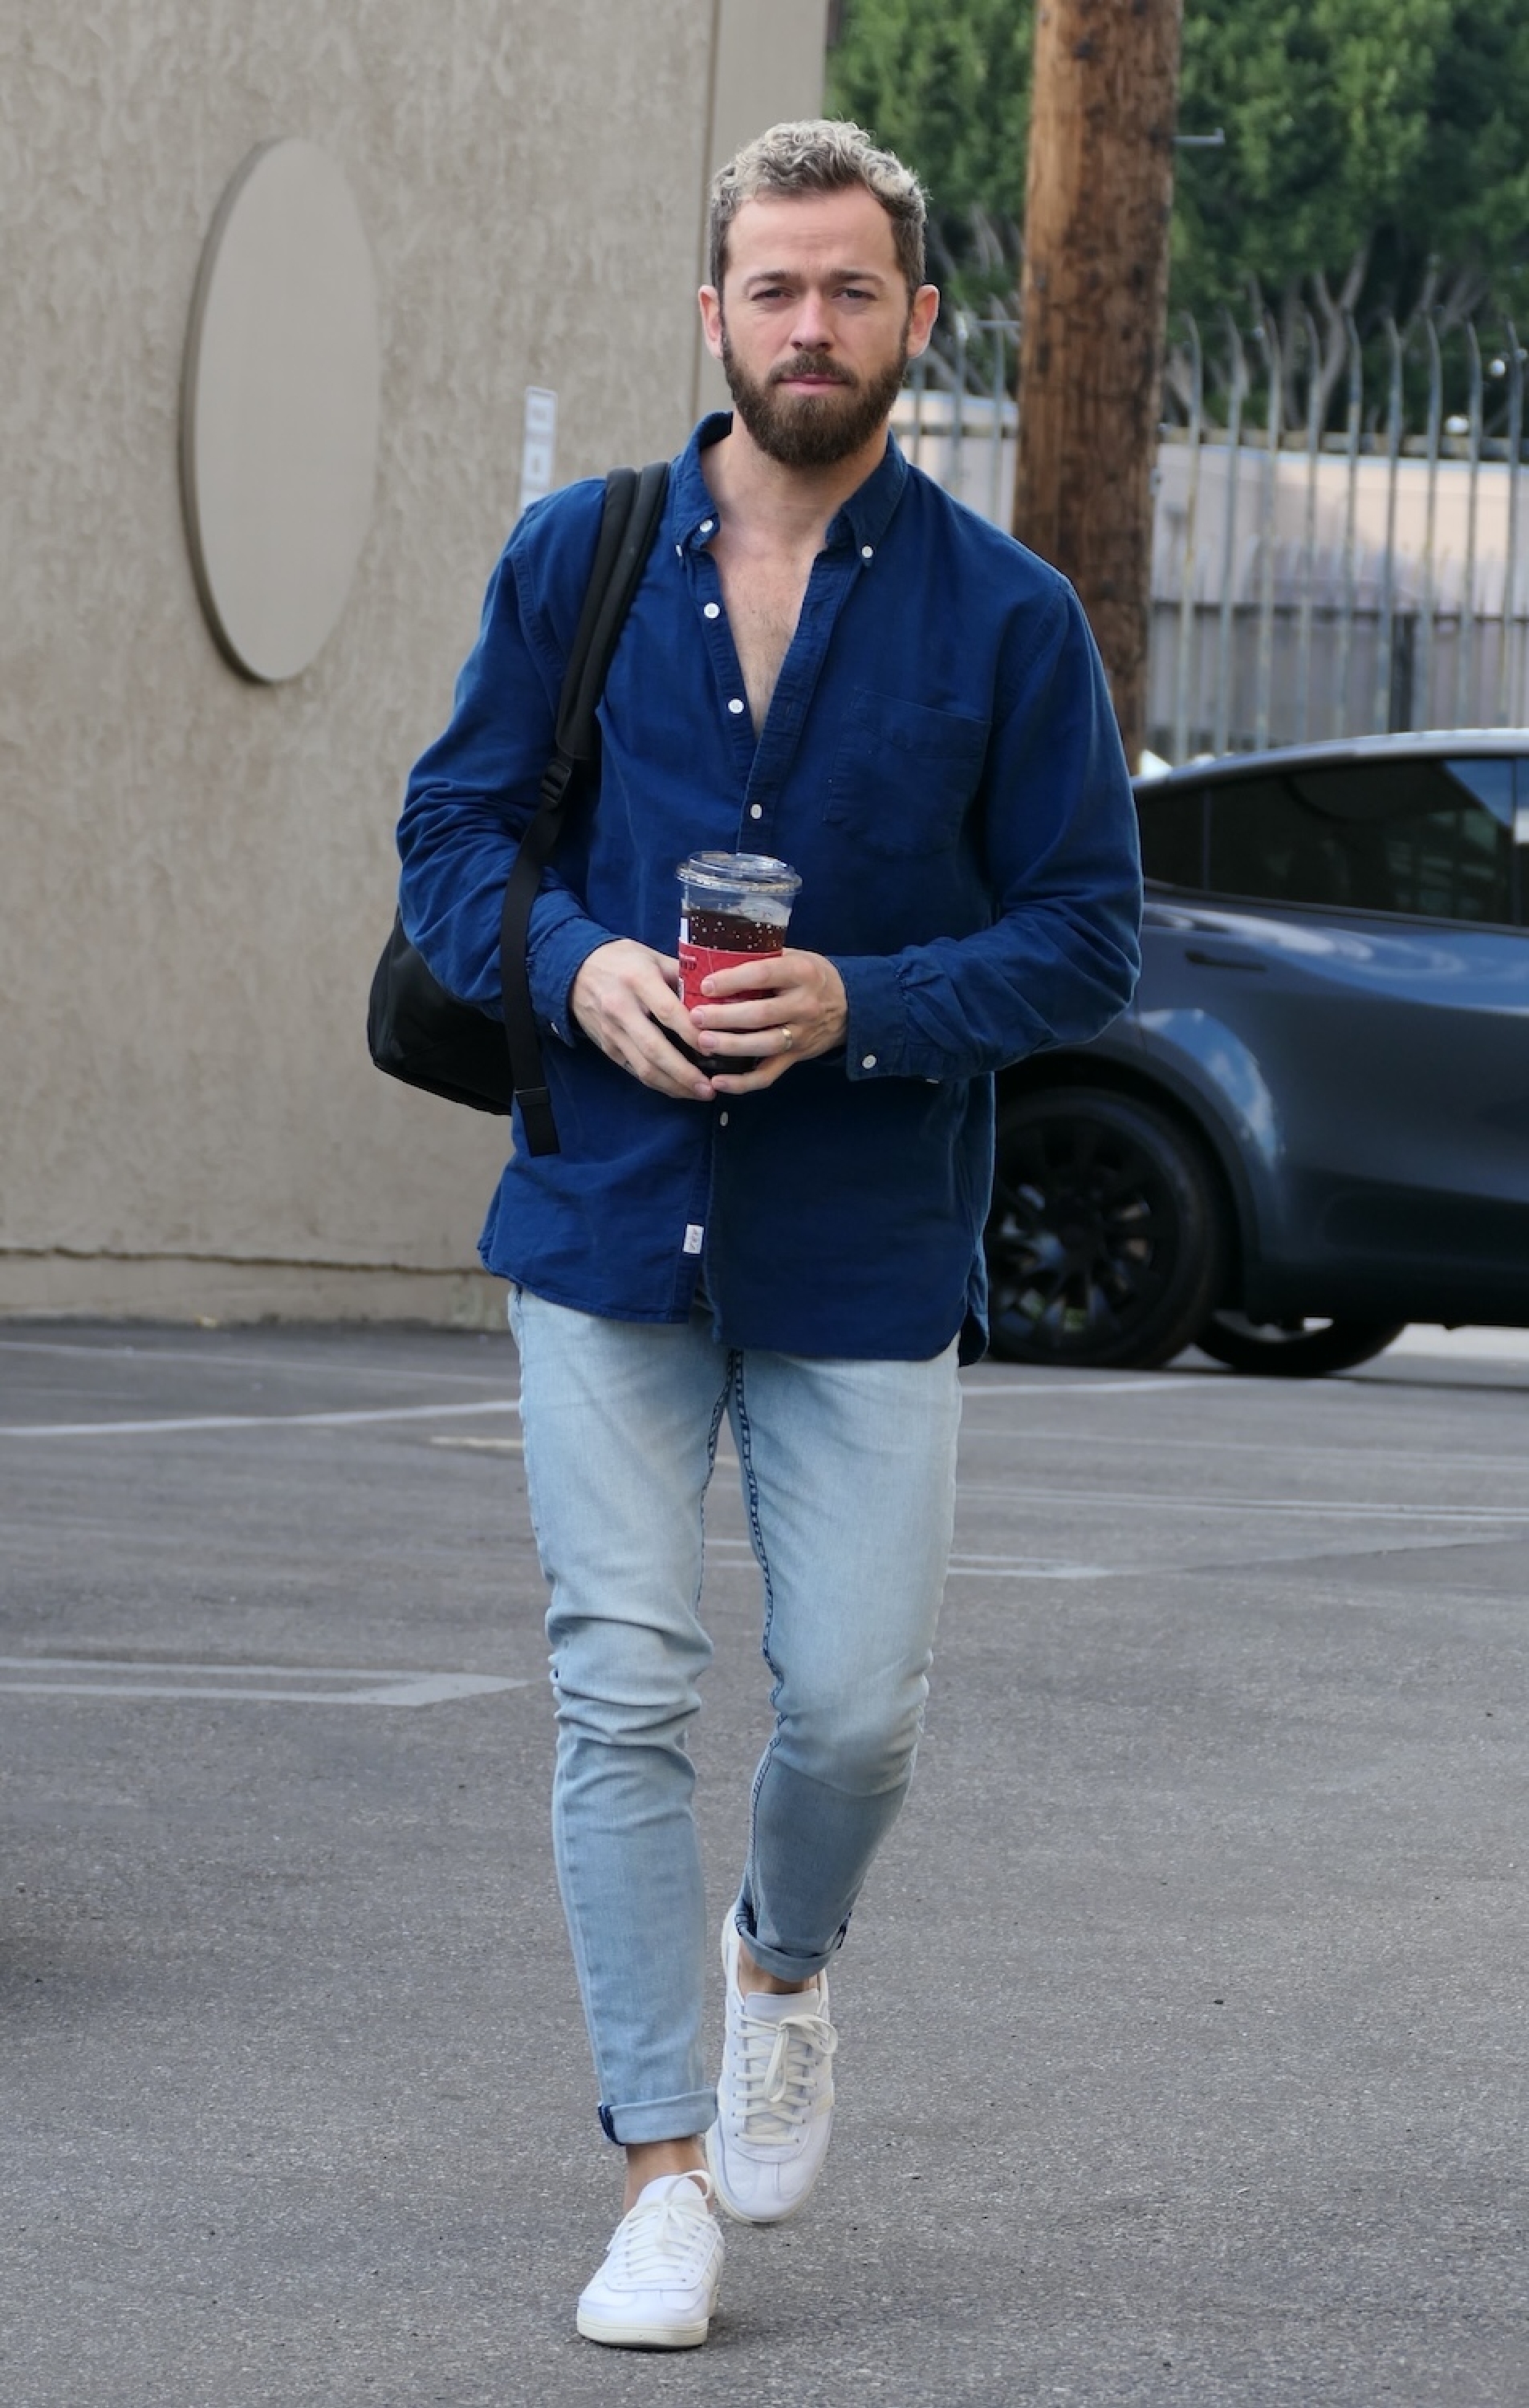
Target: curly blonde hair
<point>819,154</point>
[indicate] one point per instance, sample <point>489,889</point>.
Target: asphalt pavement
<point>1184,2039</point>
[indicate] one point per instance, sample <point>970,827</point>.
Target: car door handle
<point>1205,961</point>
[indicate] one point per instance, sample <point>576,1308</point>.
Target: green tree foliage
<point>948,88</point>
<point>1375,151</point>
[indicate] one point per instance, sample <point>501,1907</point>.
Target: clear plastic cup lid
<point>757,875</point>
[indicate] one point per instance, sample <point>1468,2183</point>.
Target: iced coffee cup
<point>733,907</point>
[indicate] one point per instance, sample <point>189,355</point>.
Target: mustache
<point>814,364</point>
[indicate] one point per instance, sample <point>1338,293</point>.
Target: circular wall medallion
<point>280,408</point>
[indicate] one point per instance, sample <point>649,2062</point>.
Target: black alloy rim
<point>1083,1234</point>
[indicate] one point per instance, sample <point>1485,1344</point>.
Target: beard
<point>813,430</point>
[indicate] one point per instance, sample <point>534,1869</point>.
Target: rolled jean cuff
<point>661,2119</point>
<point>775,1960</point>
<point>791,1969</point>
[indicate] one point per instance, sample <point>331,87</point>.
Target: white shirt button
<point>756,811</point>
<point>867,552</point>
<point>868,1061</point>
<point>721,1119</point>
<point>712,611</point>
<point>735,707</point>
<point>707,526</point>
<point>679,552</point>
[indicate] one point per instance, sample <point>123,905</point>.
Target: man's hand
<point>795,1008</point>
<point>625,996</point>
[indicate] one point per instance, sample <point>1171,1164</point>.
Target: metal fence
<point>1336,549</point>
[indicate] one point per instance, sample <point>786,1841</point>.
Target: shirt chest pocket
<point>904,775</point>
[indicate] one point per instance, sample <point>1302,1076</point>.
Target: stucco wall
<point>196,872</point>
<point>769,67</point>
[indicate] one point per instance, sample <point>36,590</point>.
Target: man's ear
<point>920,318</point>
<point>710,302</point>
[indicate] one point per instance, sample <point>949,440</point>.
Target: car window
<point>1371,836</point>
<point>1490,780</point>
<point>1173,835</point>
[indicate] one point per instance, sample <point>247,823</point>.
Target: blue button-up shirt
<point>939,762</point>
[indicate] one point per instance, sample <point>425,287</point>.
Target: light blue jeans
<point>848,1483</point>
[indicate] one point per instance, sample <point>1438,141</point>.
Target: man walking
<point>830,663</point>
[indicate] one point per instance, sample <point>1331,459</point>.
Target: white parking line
<point>1080,1384</point>
<point>1352,1509</point>
<point>963,1565</point>
<point>483,1445</point>
<point>1477,1345</point>
<point>115,1678</point>
<point>1027,1567</point>
<point>255,1421</point>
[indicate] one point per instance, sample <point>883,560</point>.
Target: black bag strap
<point>634,505</point>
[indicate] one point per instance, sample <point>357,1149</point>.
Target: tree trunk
<point>1097,202</point>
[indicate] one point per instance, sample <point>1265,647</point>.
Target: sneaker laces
<point>775,2070</point>
<point>652,2234</point>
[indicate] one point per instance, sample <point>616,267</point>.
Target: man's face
<point>814,326</point>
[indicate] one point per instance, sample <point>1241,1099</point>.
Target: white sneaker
<point>658,2286</point>
<point>774,2100</point>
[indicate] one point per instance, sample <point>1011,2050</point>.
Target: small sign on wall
<point>539,445</point>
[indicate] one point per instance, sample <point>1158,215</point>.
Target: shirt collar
<point>861,520</point>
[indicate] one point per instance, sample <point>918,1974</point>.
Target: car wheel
<point>1293,1350</point>
<point>1105,1243</point>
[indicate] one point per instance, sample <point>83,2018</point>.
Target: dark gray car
<point>1312,1127</point>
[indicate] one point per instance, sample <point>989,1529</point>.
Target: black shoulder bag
<point>416,1031</point>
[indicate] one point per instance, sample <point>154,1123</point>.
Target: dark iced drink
<point>724,932</point>
<point>734,907</point>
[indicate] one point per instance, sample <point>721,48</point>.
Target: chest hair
<point>764,595</point>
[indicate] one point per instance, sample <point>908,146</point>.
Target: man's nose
<point>811,329</point>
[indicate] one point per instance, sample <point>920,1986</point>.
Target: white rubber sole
<point>615,2335</point>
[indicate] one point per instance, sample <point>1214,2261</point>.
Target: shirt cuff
<point>558,953</point>
<point>907,1021</point>
<point>876,1032</point>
